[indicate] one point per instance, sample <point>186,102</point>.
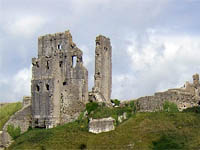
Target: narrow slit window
<point>47,87</point>
<point>47,64</point>
<point>59,46</point>
<point>37,88</point>
<point>74,61</point>
<point>60,63</point>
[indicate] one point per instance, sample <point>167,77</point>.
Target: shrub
<point>91,106</point>
<point>133,106</point>
<point>82,146</point>
<point>172,142</point>
<point>116,102</point>
<point>170,107</point>
<point>13,132</point>
<point>195,109</point>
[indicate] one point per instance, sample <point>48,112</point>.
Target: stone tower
<point>103,69</point>
<point>196,80</point>
<point>59,81</point>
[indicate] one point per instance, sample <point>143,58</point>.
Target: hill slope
<point>8,110</point>
<point>142,131</point>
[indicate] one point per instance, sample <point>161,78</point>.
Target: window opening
<point>37,64</point>
<point>47,87</point>
<point>59,46</point>
<point>97,43</point>
<point>38,88</point>
<point>64,83</point>
<point>74,61</point>
<point>60,63</point>
<point>47,64</point>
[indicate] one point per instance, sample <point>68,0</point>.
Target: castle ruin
<point>59,81</point>
<point>59,86</point>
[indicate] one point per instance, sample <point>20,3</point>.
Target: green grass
<point>8,110</point>
<point>143,131</point>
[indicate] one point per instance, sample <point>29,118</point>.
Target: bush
<point>170,107</point>
<point>116,102</point>
<point>91,106</point>
<point>13,132</point>
<point>195,109</point>
<point>169,142</point>
<point>133,106</point>
<point>82,146</point>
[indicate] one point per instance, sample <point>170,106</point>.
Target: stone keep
<point>59,81</point>
<point>103,68</point>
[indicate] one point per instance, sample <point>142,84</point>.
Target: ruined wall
<point>187,96</point>
<point>59,81</point>
<point>103,68</point>
<point>21,118</point>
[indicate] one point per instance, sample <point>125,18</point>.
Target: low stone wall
<point>155,103</point>
<point>101,125</point>
<point>22,118</point>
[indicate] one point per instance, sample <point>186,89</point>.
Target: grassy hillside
<point>8,110</point>
<point>143,131</point>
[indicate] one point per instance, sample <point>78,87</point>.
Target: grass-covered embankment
<point>142,131</point>
<point>7,110</point>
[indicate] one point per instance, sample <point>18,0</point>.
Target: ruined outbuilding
<point>59,81</point>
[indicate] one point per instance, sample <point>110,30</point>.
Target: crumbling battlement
<point>59,81</point>
<point>184,97</point>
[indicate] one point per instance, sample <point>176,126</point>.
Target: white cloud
<point>87,56</point>
<point>25,25</point>
<point>15,87</point>
<point>160,62</point>
<point>22,82</point>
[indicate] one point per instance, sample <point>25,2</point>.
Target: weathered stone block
<point>101,125</point>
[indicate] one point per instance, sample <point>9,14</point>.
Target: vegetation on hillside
<point>8,110</point>
<point>153,131</point>
<point>170,107</point>
<point>13,132</point>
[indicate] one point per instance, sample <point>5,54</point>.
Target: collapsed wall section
<point>59,81</point>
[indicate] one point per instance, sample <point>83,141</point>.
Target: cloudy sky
<point>156,43</point>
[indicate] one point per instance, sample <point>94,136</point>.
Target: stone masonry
<point>21,118</point>
<point>59,81</point>
<point>101,125</point>
<point>184,97</point>
<point>101,91</point>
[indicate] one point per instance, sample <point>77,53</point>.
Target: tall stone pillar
<point>103,68</point>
